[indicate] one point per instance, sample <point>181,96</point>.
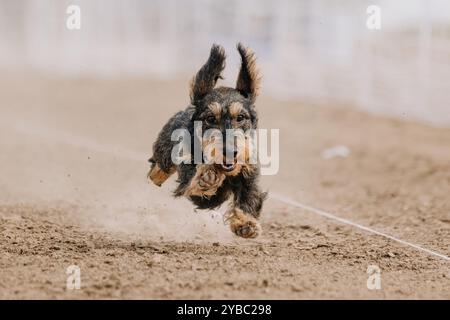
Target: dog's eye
<point>240,118</point>
<point>211,120</point>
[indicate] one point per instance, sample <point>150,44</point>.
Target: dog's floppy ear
<point>206,78</point>
<point>248,81</point>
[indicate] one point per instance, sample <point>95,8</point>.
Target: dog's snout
<point>228,124</point>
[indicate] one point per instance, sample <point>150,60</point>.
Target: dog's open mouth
<point>228,167</point>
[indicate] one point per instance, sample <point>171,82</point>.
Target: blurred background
<point>314,50</point>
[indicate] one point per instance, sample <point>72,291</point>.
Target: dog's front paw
<point>210,179</point>
<point>205,182</point>
<point>243,225</point>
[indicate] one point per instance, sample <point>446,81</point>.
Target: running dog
<point>208,185</point>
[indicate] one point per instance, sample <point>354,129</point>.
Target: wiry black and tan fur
<point>208,185</point>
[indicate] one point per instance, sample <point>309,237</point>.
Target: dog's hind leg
<point>242,224</point>
<point>245,209</point>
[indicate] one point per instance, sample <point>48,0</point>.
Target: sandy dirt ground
<point>73,191</point>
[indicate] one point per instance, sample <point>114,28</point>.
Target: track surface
<point>73,192</point>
